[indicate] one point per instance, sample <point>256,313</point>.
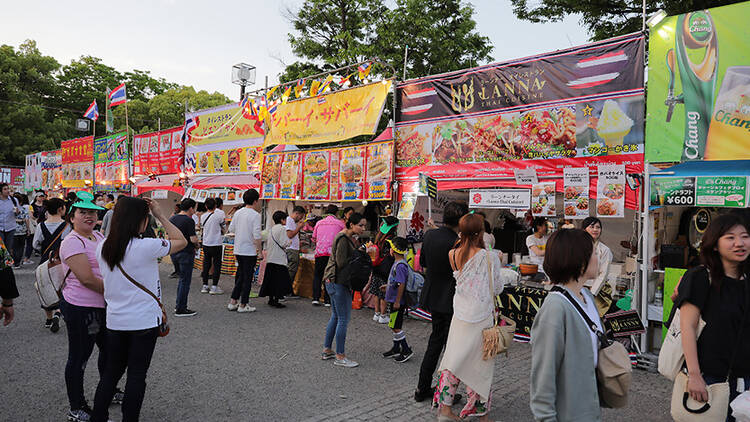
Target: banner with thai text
<point>158,152</point>
<point>111,162</point>
<point>329,117</point>
<point>220,124</point>
<point>77,162</point>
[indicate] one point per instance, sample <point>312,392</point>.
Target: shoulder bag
<point>49,276</point>
<point>498,338</point>
<point>685,409</point>
<point>164,325</point>
<point>613,370</point>
<point>671,355</point>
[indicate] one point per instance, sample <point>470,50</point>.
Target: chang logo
<point>700,26</point>
<point>691,140</point>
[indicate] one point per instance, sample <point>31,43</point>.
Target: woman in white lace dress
<point>477,271</point>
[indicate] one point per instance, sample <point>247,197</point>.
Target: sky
<point>196,42</point>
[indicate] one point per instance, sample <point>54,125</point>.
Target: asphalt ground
<point>263,366</point>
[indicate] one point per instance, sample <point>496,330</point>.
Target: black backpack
<point>357,271</point>
<point>51,241</point>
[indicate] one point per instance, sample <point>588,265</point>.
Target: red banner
<point>78,150</point>
<point>158,152</point>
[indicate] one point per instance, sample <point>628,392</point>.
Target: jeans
<point>733,393</point>
<point>8,238</point>
<point>320,268</point>
<point>243,279</point>
<point>132,350</point>
<point>18,244</point>
<point>441,324</point>
<point>184,261</point>
<point>29,246</point>
<point>85,327</point>
<point>341,312</point>
<point>211,255</point>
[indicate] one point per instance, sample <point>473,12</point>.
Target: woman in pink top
<point>323,234</point>
<point>82,304</point>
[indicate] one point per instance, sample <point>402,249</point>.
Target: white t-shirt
<point>129,307</point>
<point>277,244</point>
<point>211,222</point>
<point>292,225</point>
<point>246,227</point>
<point>541,243</point>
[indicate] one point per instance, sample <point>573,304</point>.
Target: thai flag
<point>272,108</point>
<point>418,101</point>
<point>364,70</point>
<point>324,86</point>
<point>190,125</point>
<point>321,100</point>
<point>117,96</point>
<point>92,112</point>
<point>599,70</point>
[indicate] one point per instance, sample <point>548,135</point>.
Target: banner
<point>586,101</point>
<point>52,174</point>
<point>158,152</point>
<point>221,124</point>
<point>330,117</point>
<point>289,178</point>
<point>721,191</point>
<point>77,162</point>
<point>316,175</point>
<point>379,170</point>
<point>500,198</point>
<point>111,162</point>
<point>576,192</point>
<point>13,176</point>
<point>352,173</point>
<point>33,172</point>
<point>699,86</point>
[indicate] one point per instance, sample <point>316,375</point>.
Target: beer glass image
<point>729,133</point>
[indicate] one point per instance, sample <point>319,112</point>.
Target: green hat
<point>85,201</point>
<point>388,223</point>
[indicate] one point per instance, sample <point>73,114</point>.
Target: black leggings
<point>320,267</point>
<point>132,350</point>
<point>243,279</point>
<point>211,255</point>
<point>85,327</point>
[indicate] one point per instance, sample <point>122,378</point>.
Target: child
<point>396,299</point>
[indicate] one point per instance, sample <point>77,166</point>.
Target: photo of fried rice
<point>411,147</point>
<point>606,207</point>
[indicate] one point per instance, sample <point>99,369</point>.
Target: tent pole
<point>644,254</point>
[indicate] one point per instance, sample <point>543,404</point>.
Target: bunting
<point>314,88</point>
<point>364,70</point>
<point>346,82</point>
<point>299,88</point>
<point>287,93</point>
<point>326,85</point>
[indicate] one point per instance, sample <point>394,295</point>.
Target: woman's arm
<point>80,266</point>
<point>177,241</point>
<point>535,249</point>
<point>689,319</point>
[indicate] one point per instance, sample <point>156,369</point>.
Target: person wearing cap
<point>382,263</point>
<point>396,299</point>
<point>82,303</point>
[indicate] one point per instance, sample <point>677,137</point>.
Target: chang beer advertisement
<point>699,86</point>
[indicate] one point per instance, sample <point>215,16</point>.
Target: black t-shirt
<point>439,286</point>
<point>187,227</point>
<point>723,311</point>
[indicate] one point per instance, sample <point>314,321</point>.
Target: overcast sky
<point>197,42</point>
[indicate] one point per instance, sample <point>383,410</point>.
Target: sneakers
<point>55,327</point>
<point>80,415</point>
<point>185,313</point>
<point>404,356</point>
<point>204,289</point>
<point>281,299</point>
<point>118,397</point>
<point>384,319</point>
<point>346,363</point>
<point>216,290</point>
<point>48,323</point>
<point>376,317</point>
<point>316,303</point>
<point>391,353</point>
<point>232,306</point>
<point>246,308</point>
<point>327,355</point>
<point>327,305</point>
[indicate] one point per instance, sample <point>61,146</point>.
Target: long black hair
<point>709,247</point>
<point>127,219</point>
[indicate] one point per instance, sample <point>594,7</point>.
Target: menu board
<point>576,192</point>
<point>543,199</point>
<point>111,161</point>
<point>51,176</point>
<point>611,192</point>
<point>316,174</point>
<point>269,180</point>
<point>379,170</point>
<point>672,191</point>
<point>334,186</point>
<point>352,173</point>
<point>289,178</point>
<point>77,162</point>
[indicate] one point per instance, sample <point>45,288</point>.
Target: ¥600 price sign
<point>678,191</point>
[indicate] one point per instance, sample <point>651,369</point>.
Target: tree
<point>168,107</point>
<point>607,18</point>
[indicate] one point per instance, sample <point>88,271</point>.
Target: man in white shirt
<point>294,224</point>
<point>247,243</point>
<point>214,227</point>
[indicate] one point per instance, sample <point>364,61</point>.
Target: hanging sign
<point>289,178</point>
<point>52,174</point>
<point>77,162</point>
<point>33,172</point>
<point>576,192</point>
<point>379,170</point>
<point>500,198</point>
<point>673,191</point>
<point>543,199</point>
<point>407,205</point>
<point>611,192</point>
<point>316,175</point>
<point>526,177</point>
<point>351,173</point>
<point>269,182</point>
<point>111,162</point>
<point>158,152</point>
<point>721,191</point>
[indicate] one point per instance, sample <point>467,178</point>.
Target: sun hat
<point>388,223</point>
<point>85,201</point>
<point>398,245</point>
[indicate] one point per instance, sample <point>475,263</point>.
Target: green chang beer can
<point>697,58</point>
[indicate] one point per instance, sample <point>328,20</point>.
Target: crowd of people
<point>112,294</point>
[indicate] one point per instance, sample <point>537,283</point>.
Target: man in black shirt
<point>183,260</point>
<point>438,290</point>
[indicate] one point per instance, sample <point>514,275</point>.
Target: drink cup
<point>729,132</point>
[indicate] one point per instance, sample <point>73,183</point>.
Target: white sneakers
<point>346,363</point>
<point>384,319</point>
<point>215,290</point>
<point>246,308</point>
<point>376,317</point>
<point>204,289</point>
<point>232,306</point>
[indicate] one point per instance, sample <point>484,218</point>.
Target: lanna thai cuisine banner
<point>111,162</point>
<point>586,101</point>
<point>329,117</point>
<point>77,162</point>
<point>158,152</point>
<point>699,86</point>
<point>52,174</point>
<point>611,192</point>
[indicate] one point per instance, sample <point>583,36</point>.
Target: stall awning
<point>385,135</point>
<point>706,168</point>
<point>237,181</point>
<point>163,182</point>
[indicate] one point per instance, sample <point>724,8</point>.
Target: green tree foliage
<point>606,18</point>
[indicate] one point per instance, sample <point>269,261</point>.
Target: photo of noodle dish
<point>453,142</point>
<point>412,147</point>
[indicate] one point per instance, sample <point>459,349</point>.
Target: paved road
<point>263,366</point>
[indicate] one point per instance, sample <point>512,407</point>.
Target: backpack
<point>414,284</point>
<point>50,278</point>
<point>356,272</point>
<point>51,241</point>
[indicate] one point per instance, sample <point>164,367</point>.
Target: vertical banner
<point>699,86</point>
<point>334,185</point>
<point>51,174</point>
<point>111,162</point>
<point>289,178</point>
<point>351,173</point>
<point>611,192</point>
<point>543,199</point>
<point>316,175</point>
<point>379,170</point>
<point>269,182</point>
<point>33,174</point>
<point>576,192</point>
<point>77,162</point>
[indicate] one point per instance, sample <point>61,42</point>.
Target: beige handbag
<point>685,409</point>
<point>496,339</point>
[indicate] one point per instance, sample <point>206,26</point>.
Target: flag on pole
<point>117,96</point>
<point>190,125</point>
<point>262,108</point>
<point>299,88</point>
<point>272,90</point>
<point>272,107</point>
<point>109,118</point>
<point>346,82</point>
<point>326,85</point>
<point>314,88</point>
<point>287,93</point>
<point>364,70</point>
<point>92,112</point>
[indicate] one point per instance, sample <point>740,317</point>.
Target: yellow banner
<point>221,124</point>
<point>330,117</point>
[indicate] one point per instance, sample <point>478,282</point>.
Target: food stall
<point>555,135</point>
